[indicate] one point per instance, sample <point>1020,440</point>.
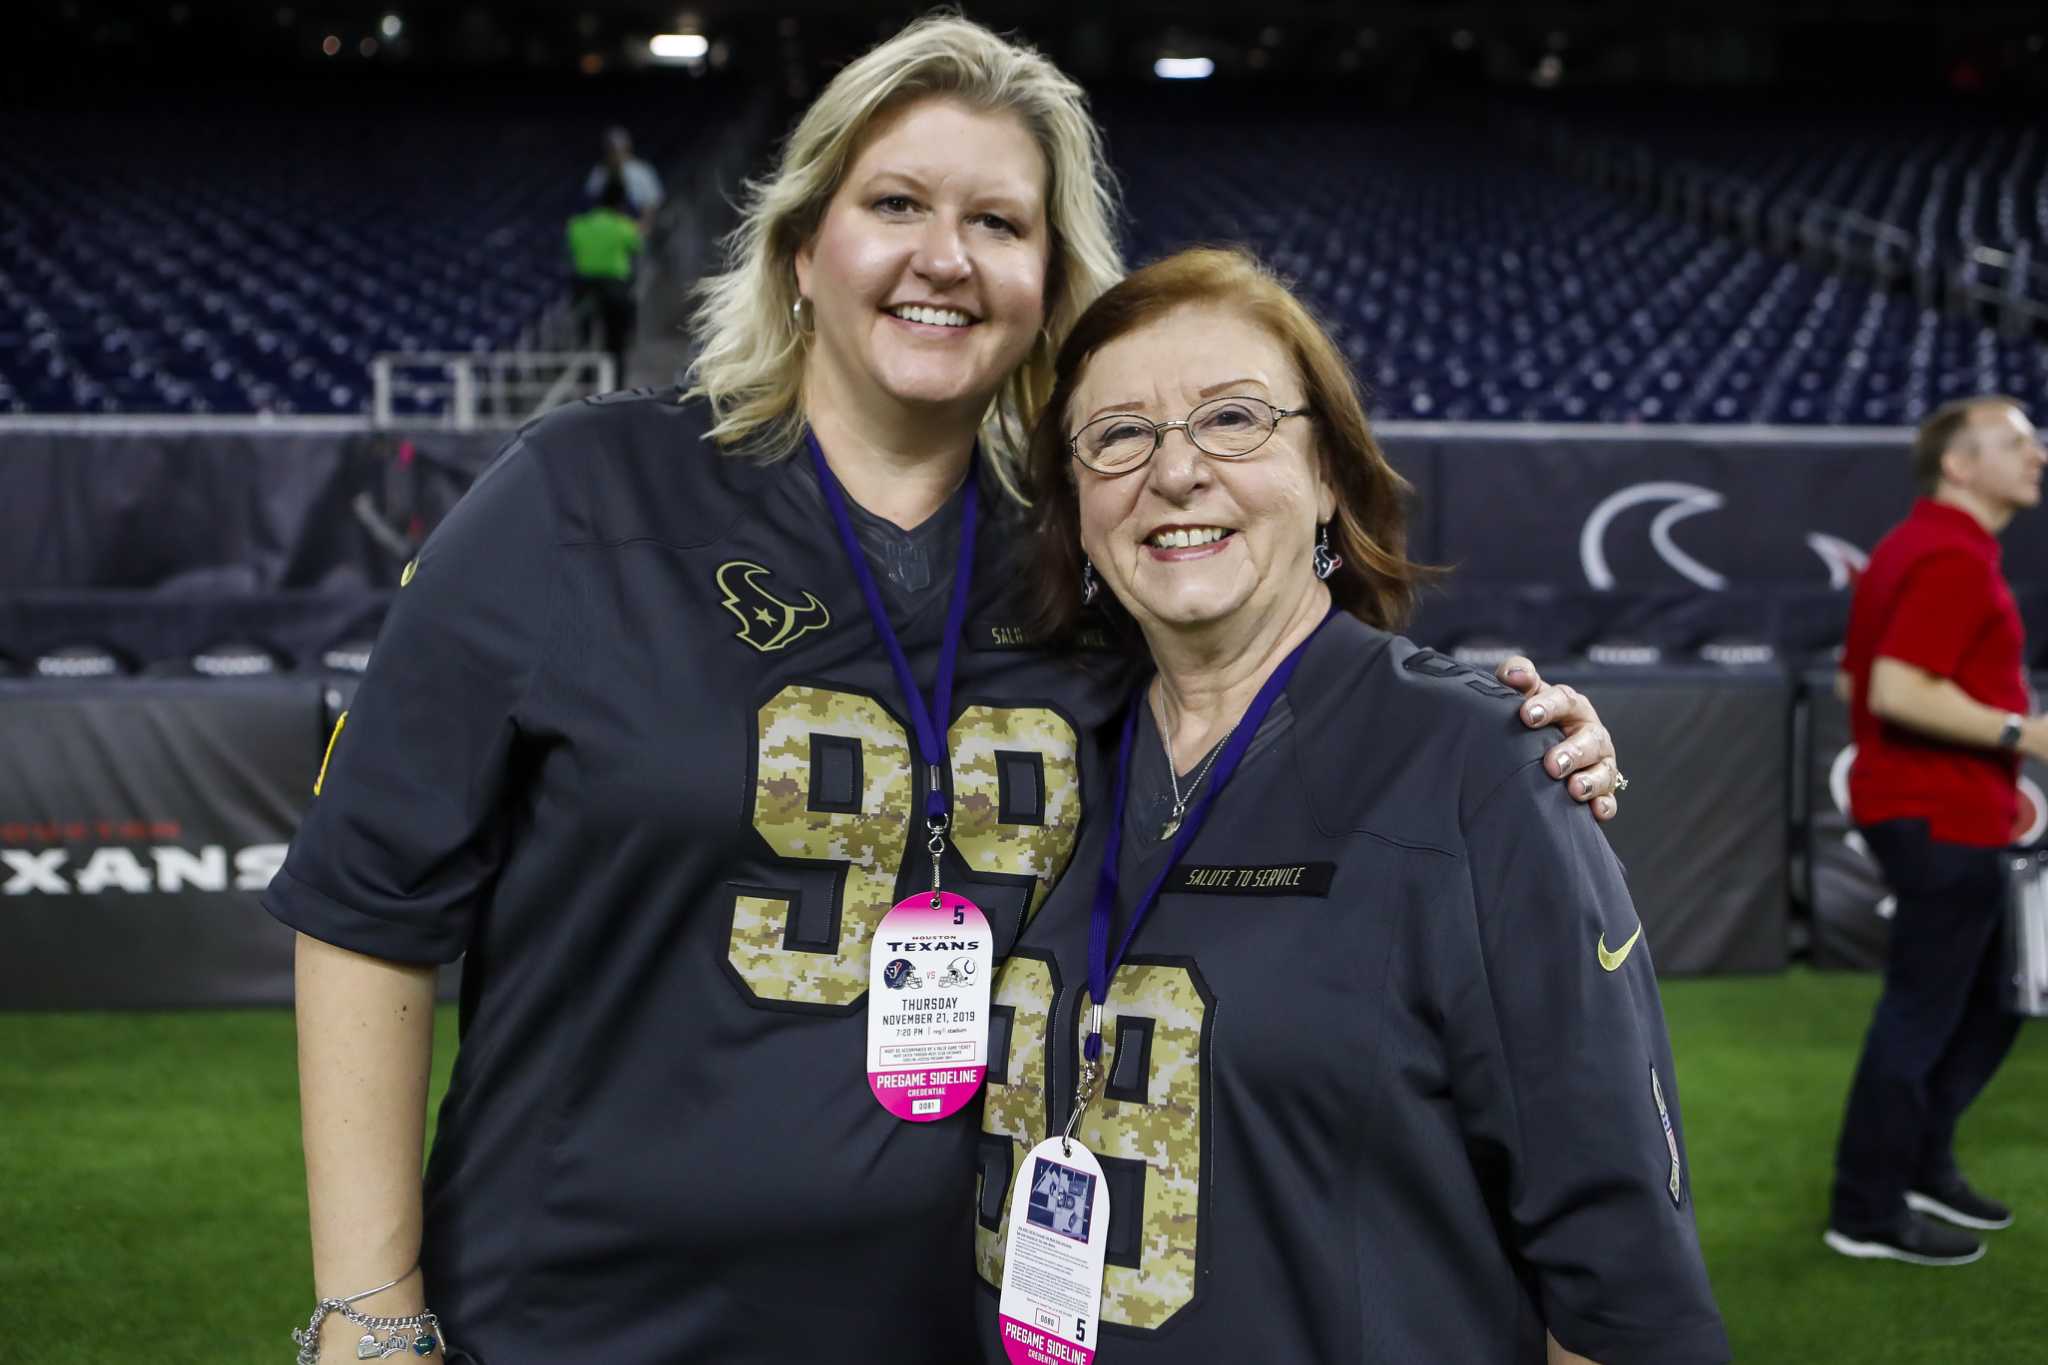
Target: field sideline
<point>153,1203</point>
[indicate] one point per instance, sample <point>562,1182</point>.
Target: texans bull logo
<point>1678,501</point>
<point>766,621</point>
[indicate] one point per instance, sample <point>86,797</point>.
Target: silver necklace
<point>1180,802</point>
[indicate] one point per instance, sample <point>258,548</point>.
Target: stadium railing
<point>2006,284</point>
<point>1972,278</point>
<point>469,391</point>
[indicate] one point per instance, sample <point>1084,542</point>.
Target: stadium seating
<point>1467,281</point>
<point>254,260</point>
<point>1948,178</point>
<point>256,264</point>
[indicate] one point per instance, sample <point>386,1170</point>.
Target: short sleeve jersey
<point>1386,1073</point>
<point>629,740</point>
<point>1933,596</point>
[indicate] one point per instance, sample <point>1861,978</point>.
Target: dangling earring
<point>1089,586</point>
<point>800,315</point>
<point>1325,562</point>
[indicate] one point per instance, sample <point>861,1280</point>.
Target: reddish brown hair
<point>1369,531</point>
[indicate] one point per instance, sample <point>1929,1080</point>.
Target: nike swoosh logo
<point>1611,961</point>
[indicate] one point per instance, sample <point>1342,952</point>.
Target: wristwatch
<point>2009,737</point>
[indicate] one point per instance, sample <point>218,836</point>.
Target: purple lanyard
<point>925,718</point>
<point>1102,968</point>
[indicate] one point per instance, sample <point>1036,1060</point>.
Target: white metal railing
<point>1981,280</point>
<point>472,390</point>
<point>2007,282</point>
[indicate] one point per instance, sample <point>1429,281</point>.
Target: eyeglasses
<point>1228,428</point>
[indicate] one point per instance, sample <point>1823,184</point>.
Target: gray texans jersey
<point>629,742</point>
<point>1386,1073</point>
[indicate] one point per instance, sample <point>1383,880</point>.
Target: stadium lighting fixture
<point>391,26</point>
<point>1183,68</point>
<point>679,47</point>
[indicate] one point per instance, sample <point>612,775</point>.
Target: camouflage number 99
<point>1030,836</point>
<point>1147,1116</point>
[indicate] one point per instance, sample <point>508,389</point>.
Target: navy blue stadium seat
<point>210,264</point>
<point>249,260</point>
<point>1466,280</point>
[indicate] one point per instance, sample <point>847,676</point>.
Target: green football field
<point>151,1204</point>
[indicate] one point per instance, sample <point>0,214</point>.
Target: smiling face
<point>927,273</point>
<point>1191,541</point>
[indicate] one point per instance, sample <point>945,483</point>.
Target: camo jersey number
<point>1016,794</point>
<point>1013,1108</point>
<point>1002,830</point>
<point>1148,1116</point>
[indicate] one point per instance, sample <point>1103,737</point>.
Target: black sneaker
<point>1912,1239</point>
<point>1955,1202</point>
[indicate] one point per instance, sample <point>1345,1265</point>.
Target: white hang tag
<point>929,978</point>
<point>1050,1310</point>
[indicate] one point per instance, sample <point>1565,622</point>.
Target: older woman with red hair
<point>1341,1029</point>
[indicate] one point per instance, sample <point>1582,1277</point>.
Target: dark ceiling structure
<point>1995,50</point>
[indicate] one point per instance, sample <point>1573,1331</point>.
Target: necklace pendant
<point>1170,828</point>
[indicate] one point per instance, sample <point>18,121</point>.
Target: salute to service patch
<point>1278,879</point>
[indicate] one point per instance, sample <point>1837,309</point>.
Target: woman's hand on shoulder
<point>1586,756</point>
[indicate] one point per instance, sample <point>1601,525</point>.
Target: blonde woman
<point>634,743</point>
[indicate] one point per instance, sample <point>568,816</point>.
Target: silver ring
<point>1620,782</point>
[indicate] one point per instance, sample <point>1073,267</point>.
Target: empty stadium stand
<point>242,263</point>
<point>1469,280</point>
<point>253,257</point>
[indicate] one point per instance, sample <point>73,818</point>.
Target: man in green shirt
<point>603,244</point>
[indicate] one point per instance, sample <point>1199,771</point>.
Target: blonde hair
<point>750,359</point>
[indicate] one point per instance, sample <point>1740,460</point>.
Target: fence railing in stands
<point>2005,284</point>
<point>469,391</point>
<point>2002,287</point>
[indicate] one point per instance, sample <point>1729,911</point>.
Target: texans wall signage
<point>138,822</point>
<point>1633,512</point>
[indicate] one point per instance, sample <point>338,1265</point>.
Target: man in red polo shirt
<point>1935,664</point>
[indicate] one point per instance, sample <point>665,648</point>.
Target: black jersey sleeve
<point>405,828</point>
<point>1566,1086</point>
